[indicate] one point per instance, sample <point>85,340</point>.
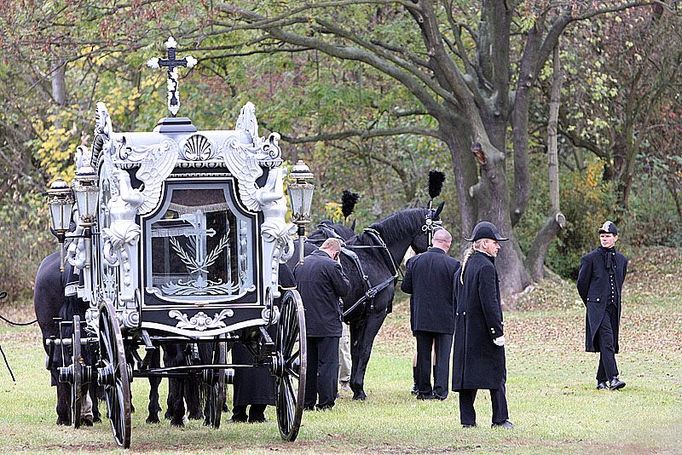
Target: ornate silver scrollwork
<point>200,321</point>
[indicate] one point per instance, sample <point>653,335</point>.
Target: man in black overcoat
<point>321,283</point>
<point>428,278</point>
<point>600,282</point>
<point>254,388</point>
<point>479,360</point>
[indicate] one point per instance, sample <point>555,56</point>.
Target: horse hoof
<point>360,396</point>
<point>196,416</point>
<point>153,419</point>
<point>61,421</point>
<point>88,422</point>
<point>177,424</point>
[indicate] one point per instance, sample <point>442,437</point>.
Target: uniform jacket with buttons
<point>477,362</point>
<point>321,282</point>
<point>597,290</point>
<point>428,277</point>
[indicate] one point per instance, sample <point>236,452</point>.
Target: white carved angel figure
<point>275,230</point>
<point>247,121</point>
<point>76,250</point>
<point>123,233</point>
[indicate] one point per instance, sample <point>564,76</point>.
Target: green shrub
<point>25,240</point>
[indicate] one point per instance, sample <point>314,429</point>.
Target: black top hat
<point>608,228</point>
<point>486,230</point>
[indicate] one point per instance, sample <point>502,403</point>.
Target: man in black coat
<point>254,388</point>
<point>600,282</point>
<point>321,283</point>
<point>479,361</point>
<point>428,278</point>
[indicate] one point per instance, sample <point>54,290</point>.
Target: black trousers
<point>467,413</point>
<point>442,343</point>
<point>322,372</point>
<point>607,368</point>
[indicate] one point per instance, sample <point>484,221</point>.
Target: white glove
<point>499,341</point>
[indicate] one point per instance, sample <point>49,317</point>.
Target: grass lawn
<point>551,389</point>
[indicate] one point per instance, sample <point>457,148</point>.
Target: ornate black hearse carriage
<point>178,238</point>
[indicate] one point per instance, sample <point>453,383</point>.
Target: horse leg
<point>363,333</point>
<point>63,403</point>
<point>154,382</point>
<point>192,396</point>
<point>174,356</point>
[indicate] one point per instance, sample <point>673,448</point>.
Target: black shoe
<point>467,425</point>
<point>426,396</point>
<point>415,389</point>
<point>616,383</point>
<point>439,397</point>
<point>602,386</point>
<point>359,396</point>
<point>507,425</point>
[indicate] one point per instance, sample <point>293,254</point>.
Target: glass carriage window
<point>199,246</point>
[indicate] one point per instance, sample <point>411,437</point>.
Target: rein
<point>370,291</point>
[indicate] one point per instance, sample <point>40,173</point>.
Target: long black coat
<point>428,278</point>
<point>257,385</point>
<point>477,363</point>
<point>594,288</point>
<point>321,282</point>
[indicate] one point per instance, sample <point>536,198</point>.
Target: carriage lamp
<point>60,203</point>
<point>87,193</point>
<point>301,198</point>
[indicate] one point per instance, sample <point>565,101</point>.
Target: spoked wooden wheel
<point>113,374</point>
<point>214,381</point>
<point>289,365</point>
<point>77,365</point>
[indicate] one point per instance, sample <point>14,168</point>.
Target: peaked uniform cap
<point>486,230</point>
<point>608,228</point>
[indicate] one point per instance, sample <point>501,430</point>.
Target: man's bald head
<point>442,239</point>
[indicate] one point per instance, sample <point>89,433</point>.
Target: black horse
<point>371,260</point>
<point>50,302</point>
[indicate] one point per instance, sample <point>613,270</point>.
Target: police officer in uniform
<point>600,281</point>
<point>428,278</point>
<point>322,282</point>
<point>478,361</point>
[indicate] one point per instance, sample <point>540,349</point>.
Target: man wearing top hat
<point>478,360</point>
<point>600,281</point>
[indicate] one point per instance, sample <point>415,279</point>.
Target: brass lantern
<point>301,198</point>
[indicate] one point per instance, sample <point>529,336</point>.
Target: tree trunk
<point>58,79</point>
<point>535,260</point>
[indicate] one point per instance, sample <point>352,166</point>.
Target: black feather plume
<point>348,201</point>
<point>436,179</point>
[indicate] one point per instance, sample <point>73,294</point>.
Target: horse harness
<point>370,291</point>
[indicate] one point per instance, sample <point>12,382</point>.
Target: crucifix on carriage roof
<point>172,64</point>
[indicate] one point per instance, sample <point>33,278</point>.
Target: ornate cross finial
<point>172,64</point>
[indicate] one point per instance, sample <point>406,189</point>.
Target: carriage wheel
<point>215,382</point>
<point>289,365</point>
<point>77,365</point>
<point>114,375</point>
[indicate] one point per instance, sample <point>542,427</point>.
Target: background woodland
<point>547,117</point>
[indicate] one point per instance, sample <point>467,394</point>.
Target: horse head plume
<point>436,179</point>
<point>348,201</point>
